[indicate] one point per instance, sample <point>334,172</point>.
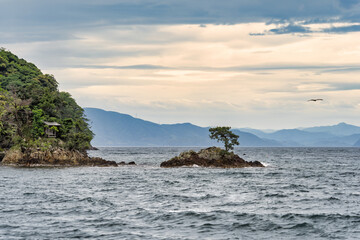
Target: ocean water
<point>303,193</point>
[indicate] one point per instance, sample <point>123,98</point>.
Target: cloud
<point>138,56</point>
<point>263,69</point>
<point>344,29</point>
<point>341,86</point>
<point>84,13</point>
<point>348,3</point>
<point>8,37</point>
<point>342,69</point>
<point>305,28</point>
<point>41,20</point>
<point>141,66</point>
<point>290,28</point>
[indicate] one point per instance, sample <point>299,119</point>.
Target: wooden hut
<point>50,133</point>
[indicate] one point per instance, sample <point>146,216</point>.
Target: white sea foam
<point>265,164</point>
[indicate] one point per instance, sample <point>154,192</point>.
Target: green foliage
<point>38,129</point>
<point>28,98</point>
<point>42,144</point>
<point>224,135</point>
<point>7,130</point>
<point>78,141</point>
<point>14,117</point>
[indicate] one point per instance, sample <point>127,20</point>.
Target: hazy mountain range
<point>117,129</point>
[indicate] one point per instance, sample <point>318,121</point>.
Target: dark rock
<point>2,155</point>
<point>124,163</point>
<point>98,162</point>
<point>210,157</point>
<point>256,164</point>
<point>93,148</point>
<point>53,157</point>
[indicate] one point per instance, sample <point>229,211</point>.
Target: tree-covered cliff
<point>27,99</point>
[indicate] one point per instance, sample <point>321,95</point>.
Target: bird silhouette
<point>315,99</point>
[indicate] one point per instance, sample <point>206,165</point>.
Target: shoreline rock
<point>55,157</point>
<point>124,163</point>
<point>93,148</point>
<point>209,157</point>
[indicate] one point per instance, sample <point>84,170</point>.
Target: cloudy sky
<point>243,63</point>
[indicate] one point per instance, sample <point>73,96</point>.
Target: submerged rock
<point>210,157</point>
<point>55,157</point>
<point>124,163</point>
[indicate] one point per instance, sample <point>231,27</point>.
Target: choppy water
<point>304,193</point>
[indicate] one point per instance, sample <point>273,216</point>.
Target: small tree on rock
<point>224,135</point>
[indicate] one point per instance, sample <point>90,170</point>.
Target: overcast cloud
<point>206,62</point>
<point>89,13</point>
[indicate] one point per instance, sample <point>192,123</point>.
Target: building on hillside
<point>49,131</point>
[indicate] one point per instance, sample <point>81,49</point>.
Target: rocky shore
<point>209,157</point>
<point>52,158</point>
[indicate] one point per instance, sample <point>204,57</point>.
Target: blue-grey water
<point>303,193</point>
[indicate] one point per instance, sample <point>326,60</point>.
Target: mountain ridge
<point>340,129</point>
<point>117,129</point>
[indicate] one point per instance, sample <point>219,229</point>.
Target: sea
<point>302,193</point>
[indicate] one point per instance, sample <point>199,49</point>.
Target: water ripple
<point>305,193</point>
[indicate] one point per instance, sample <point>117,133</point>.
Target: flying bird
<point>315,99</point>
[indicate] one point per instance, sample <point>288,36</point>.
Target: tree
<point>7,130</point>
<point>38,119</point>
<point>14,112</point>
<point>223,134</point>
<point>28,98</point>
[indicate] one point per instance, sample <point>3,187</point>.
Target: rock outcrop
<point>210,157</point>
<point>54,157</point>
<point>124,163</point>
<point>2,155</point>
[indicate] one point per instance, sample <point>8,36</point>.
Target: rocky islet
<point>51,158</point>
<point>210,157</point>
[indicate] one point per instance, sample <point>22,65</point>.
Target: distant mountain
<point>249,139</point>
<point>340,135</point>
<point>117,129</point>
<point>351,139</point>
<point>341,129</point>
<point>295,137</point>
<point>259,133</point>
<point>357,144</point>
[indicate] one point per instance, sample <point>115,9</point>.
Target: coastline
<point>56,157</point>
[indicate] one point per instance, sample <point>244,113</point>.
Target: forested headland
<point>28,98</point>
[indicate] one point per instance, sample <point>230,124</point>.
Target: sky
<point>239,63</point>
